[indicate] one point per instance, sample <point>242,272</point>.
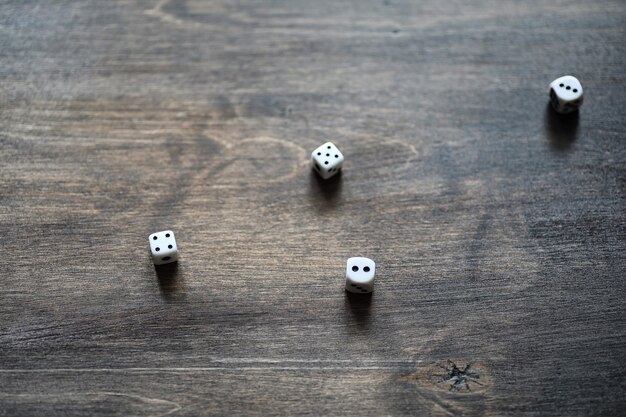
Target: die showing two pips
<point>360,275</point>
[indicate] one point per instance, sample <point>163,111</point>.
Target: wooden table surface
<point>498,228</point>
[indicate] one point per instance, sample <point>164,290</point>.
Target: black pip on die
<point>163,247</point>
<point>360,275</point>
<point>327,160</point>
<point>566,94</point>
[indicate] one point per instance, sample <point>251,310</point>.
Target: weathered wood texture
<point>499,229</point>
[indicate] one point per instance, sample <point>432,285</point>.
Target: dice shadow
<point>358,307</point>
<point>170,281</point>
<point>561,129</point>
<point>329,189</point>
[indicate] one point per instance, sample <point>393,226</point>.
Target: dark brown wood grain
<point>498,228</point>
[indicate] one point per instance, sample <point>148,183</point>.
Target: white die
<point>566,94</point>
<point>360,275</point>
<point>327,160</point>
<point>163,247</point>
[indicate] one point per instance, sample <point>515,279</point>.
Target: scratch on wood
<point>148,400</point>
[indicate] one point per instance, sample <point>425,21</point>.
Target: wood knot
<point>451,376</point>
